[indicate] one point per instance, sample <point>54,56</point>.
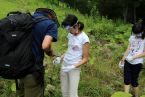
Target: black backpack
<point>16,57</point>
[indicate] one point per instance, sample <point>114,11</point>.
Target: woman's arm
<point>126,53</point>
<point>85,55</point>
<point>139,55</point>
<point>62,56</point>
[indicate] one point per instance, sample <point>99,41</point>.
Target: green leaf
<point>121,94</point>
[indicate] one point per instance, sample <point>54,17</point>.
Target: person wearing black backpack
<point>44,33</point>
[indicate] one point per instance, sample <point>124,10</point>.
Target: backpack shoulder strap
<point>14,12</point>
<point>17,86</point>
<point>40,18</point>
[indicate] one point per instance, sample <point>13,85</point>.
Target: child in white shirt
<point>133,58</point>
<point>76,55</point>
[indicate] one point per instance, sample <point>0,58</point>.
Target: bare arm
<point>46,45</point>
<point>139,55</point>
<point>126,53</point>
<point>62,56</point>
<point>85,55</point>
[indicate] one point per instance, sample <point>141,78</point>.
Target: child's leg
<point>127,77</point>
<point>74,77</point>
<point>136,91</point>
<point>126,88</point>
<point>64,84</point>
<point>134,81</point>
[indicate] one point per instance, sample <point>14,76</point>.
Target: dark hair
<point>138,28</point>
<point>81,25</point>
<point>47,12</point>
<point>70,20</point>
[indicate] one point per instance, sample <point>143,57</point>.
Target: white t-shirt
<point>136,47</point>
<point>75,48</point>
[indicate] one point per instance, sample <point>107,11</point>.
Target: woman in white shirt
<point>76,55</point>
<point>133,58</point>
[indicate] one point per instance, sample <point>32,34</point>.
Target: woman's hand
<point>57,61</point>
<point>121,64</point>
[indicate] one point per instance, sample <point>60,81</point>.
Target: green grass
<point>7,6</point>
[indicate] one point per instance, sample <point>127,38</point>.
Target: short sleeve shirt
<point>136,47</point>
<point>75,48</point>
<point>41,29</point>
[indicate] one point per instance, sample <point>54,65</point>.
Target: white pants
<point>69,83</point>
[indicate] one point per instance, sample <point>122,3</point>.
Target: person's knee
<point>134,84</point>
<point>127,82</point>
<point>65,94</point>
<point>73,95</point>
<point>127,79</point>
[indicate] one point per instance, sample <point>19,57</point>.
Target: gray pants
<point>70,82</point>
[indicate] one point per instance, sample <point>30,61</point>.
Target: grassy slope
<point>101,76</point>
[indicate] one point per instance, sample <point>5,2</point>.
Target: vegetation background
<point>101,76</point>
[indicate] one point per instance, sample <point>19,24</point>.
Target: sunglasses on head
<point>69,27</point>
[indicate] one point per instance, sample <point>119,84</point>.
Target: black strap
<point>14,12</point>
<point>40,18</point>
<point>17,86</point>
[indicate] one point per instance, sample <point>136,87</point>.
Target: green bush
<point>121,94</point>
